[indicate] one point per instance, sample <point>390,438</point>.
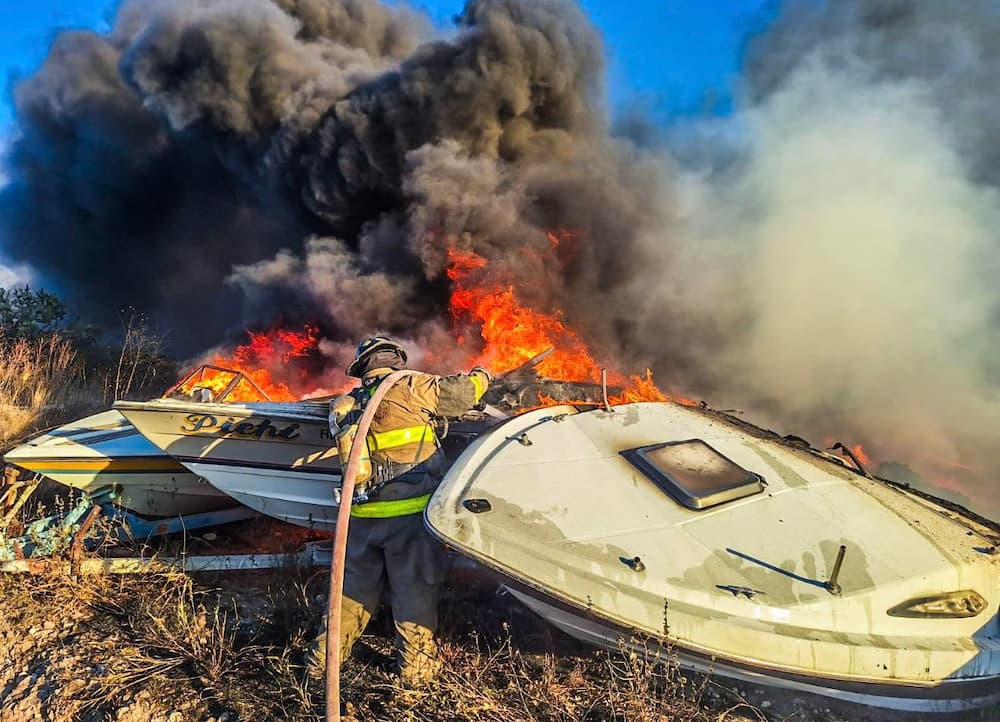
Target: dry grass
<point>502,663</point>
<point>171,645</point>
<point>40,381</point>
<point>494,681</point>
<point>181,649</point>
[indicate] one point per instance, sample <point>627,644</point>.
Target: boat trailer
<point>61,542</point>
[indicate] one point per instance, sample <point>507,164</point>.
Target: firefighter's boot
<point>353,620</point>
<point>416,653</point>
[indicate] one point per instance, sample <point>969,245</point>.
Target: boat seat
<point>694,474</point>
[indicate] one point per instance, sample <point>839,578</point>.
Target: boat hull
<point>277,458</point>
<point>104,452</point>
<point>551,501</point>
<point>303,498</point>
<point>950,697</point>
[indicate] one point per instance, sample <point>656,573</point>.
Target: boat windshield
<point>694,474</point>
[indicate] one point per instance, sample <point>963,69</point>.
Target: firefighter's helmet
<point>371,345</point>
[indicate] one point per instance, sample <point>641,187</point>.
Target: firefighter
<point>388,549</point>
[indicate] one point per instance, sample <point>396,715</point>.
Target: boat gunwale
<point>163,456</point>
<point>286,410</point>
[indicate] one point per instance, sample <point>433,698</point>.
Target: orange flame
<point>271,350</point>
<point>857,449</point>
<point>511,333</point>
<point>861,455</point>
<point>643,388</point>
<point>639,388</point>
<point>514,333</point>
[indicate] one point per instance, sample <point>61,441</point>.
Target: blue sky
<point>27,28</point>
<point>668,55</point>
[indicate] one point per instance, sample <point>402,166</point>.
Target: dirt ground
<point>229,647</point>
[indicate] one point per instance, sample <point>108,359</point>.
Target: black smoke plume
<point>320,150</point>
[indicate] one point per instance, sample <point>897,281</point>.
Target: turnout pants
<point>393,558</point>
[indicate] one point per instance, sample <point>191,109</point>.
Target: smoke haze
<point>872,184</point>
<point>846,273</point>
<point>824,258</point>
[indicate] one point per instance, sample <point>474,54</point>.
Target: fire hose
<point>336,597</point>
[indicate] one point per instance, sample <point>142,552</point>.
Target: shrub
<point>29,314</point>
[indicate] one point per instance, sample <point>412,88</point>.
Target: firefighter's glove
<point>340,407</point>
<point>481,379</point>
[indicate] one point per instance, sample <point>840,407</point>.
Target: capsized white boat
<point>656,522</point>
<point>276,458</point>
<point>105,452</point>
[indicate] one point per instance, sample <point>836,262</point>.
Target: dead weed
<point>233,645</point>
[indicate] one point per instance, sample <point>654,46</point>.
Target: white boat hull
<point>303,498</point>
<point>592,631</point>
<point>555,507</point>
<point>104,452</point>
<point>550,501</point>
<point>276,458</point>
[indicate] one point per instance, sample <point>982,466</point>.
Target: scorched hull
<point>276,458</point>
<point>738,579</point>
<point>103,452</point>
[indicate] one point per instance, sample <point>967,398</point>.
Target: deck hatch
<point>693,473</point>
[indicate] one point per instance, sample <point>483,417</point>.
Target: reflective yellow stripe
<point>480,385</point>
<point>400,437</point>
<point>389,509</point>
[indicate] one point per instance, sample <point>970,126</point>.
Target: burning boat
<point>749,556</point>
<point>276,458</point>
<point>104,452</point>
